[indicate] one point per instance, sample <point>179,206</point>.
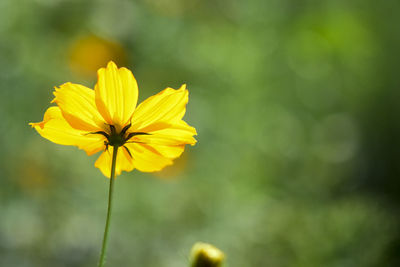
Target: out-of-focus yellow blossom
<point>150,135</point>
<point>89,53</point>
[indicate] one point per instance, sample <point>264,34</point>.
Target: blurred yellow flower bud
<point>206,255</point>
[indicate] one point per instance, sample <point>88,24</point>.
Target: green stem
<point>110,198</point>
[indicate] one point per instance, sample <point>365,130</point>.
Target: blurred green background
<point>296,108</point>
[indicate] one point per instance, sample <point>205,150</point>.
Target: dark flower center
<point>116,139</point>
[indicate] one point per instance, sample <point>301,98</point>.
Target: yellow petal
<point>170,152</point>
<point>116,94</point>
<point>124,162</point>
<point>161,117</point>
<point>165,134</point>
<point>147,159</point>
<point>166,107</point>
<point>78,107</point>
<point>56,129</point>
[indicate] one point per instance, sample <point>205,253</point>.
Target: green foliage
<point>295,103</point>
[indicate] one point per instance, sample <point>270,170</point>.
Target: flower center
<point>116,139</point>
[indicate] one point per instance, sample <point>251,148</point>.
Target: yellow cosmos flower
<point>148,136</point>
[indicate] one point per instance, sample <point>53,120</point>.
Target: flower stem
<point>110,198</point>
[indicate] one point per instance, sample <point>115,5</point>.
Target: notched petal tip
<point>54,100</point>
<point>57,90</point>
<point>111,64</point>
<point>194,142</point>
<point>48,115</point>
<point>37,124</point>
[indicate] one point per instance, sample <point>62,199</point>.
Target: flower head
<point>149,135</point>
<point>206,255</point>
